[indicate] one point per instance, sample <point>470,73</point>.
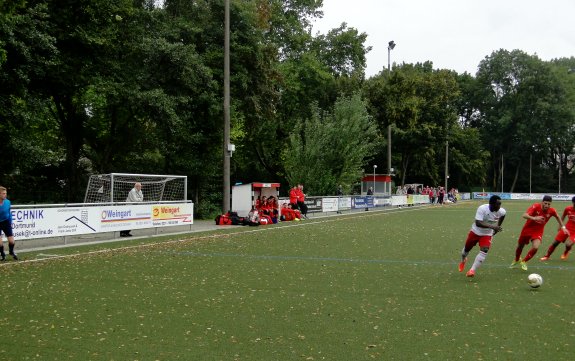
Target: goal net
<point>114,187</point>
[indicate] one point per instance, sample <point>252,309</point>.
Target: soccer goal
<point>114,187</point>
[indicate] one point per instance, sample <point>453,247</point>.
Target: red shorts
<point>526,238</point>
<point>473,239</point>
<point>561,236</point>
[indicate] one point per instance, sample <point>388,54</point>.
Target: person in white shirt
<point>488,220</point>
<point>135,195</point>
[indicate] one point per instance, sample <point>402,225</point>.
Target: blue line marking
<point>355,260</point>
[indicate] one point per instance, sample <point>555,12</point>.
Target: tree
<point>331,148</point>
<point>522,113</point>
<point>295,70</point>
<point>419,103</point>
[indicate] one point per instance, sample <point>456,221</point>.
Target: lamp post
<point>559,175</point>
<point>374,168</point>
<point>530,170</point>
<point>390,47</point>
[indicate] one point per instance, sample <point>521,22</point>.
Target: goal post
<point>114,187</point>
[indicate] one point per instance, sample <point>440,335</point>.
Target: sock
<point>2,251</point>
<point>464,254</point>
<point>11,248</point>
<point>530,254</point>
<point>550,250</point>
<point>518,251</point>
<point>478,260</point>
<point>567,249</point>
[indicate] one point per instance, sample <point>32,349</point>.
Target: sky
<point>454,34</point>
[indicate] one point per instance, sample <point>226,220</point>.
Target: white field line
<point>212,236</point>
<point>47,255</point>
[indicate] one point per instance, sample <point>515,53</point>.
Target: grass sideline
<point>375,285</point>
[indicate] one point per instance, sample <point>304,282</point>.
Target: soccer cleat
<point>470,273</point>
<point>3,258</point>
<point>462,264</point>
<point>513,264</point>
<point>564,256</point>
<point>14,256</point>
<point>524,265</point>
<point>544,258</point>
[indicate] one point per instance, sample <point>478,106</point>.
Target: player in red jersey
<point>563,237</point>
<point>537,217</point>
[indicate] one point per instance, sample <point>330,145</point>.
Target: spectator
<point>370,191</point>
<point>339,194</point>
<point>432,195</point>
<point>289,214</point>
<point>293,197</point>
<point>301,201</point>
<point>253,217</point>
<point>440,195</point>
<point>134,196</point>
<point>273,208</point>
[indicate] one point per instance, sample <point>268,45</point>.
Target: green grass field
<point>370,285</point>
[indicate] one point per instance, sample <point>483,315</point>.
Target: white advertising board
<point>344,202</point>
<point>329,205</point>
<point>30,223</point>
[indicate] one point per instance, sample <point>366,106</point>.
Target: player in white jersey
<point>488,220</point>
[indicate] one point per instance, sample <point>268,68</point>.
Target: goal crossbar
<point>114,187</point>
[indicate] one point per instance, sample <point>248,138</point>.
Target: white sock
<point>479,260</point>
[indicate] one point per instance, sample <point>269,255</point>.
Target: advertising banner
<point>172,214</point>
<point>362,202</point>
<point>30,223</point>
<point>330,205</point>
<point>117,218</point>
<point>344,203</point>
<point>313,204</point>
<point>382,202</point>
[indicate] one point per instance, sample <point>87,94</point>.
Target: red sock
<point>530,254</point>
<point>567,249</point>
<point>518,251</point>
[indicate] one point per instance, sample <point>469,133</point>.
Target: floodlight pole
<point>530,170</point>
<point>374,168</point>
<point>559,175</point>
<point>390,47</point>
<point>446,163</point>
<point>226,191</point>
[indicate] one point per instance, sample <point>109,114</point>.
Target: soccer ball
<point>535,280</point>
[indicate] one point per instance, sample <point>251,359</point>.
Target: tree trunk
<point>71,120</point>
<point>515,177</point>
<point>404,165</point>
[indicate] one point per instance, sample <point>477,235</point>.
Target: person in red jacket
<point>293,197</point>
<point>273,208</point>
<point>301,200</point>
